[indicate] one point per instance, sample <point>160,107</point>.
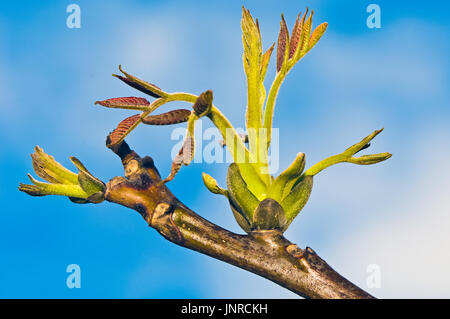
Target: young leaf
<point>203,104</point>
<point>252,59</point>
<point>168,118</point>
<point>50,170</point>
<point>42,189</point>
<point>362,144</point>
<point>294,202</point>
<point>239,194</point>
<point>287,178</point>
<point>123,129</point>
<point>347,156</point>
<point>88,182</point>
<point>295,37</point>
<point>240,217</point>
<point>132,103</point>
<point>306,31</point>
<point>283,40</point>
<point>265,62</point>
<point>145,87</point>
<point>317,34</point>
<point>370,159</point>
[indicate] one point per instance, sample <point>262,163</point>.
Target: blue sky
<point>395,214</point>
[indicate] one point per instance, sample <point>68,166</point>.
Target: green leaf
<point>42,189</point>
<point>86,179</point>
<point>265,62</point>
<point>239,193</point>
<point>347,156</point>
<point>370,159</point>
<point>50,170</point>
<point>240,217</point>
<point>284,182</point>
<point>252,59</point>
<point>240,154</point>
<point>294,202</point>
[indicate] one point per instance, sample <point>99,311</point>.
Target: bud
<point>269,215</point>
<point>50,170</point>
<point>81,188</point>
<point>212,186</point>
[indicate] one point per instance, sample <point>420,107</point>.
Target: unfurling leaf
<point>42,189</point>
<point>81,188</point>
<point>203,104</point>
<point>347,156</point>
<point>168,118</point>
<point>123,129</point>
<point>352,150</point>
<point>132,103</point>
<point>283,40</point>
<point>317,34</point>
<point>50,170</point>
<point>370,159</point>
<point>306,32</point>
<point>212,186</point>
<point>295,37</point>
<point>143,86</point>
<point>282,185</point>
<point>137,86</point>
<point>265,62</point>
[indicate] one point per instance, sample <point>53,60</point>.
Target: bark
<point>266,253</point>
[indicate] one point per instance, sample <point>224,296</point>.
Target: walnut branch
<point>266,253</point>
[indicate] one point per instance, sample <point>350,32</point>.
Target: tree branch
<point>266,253</point>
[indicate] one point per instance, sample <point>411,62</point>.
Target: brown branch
<point>266,253</point>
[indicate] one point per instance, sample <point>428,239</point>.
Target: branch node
<point>295,251</point>
<point>162,221</point>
